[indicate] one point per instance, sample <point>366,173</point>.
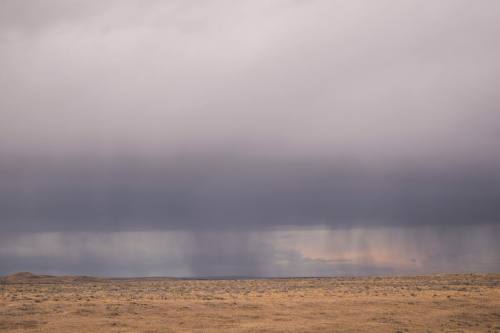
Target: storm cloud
<point>243,194</point>
<point>281,253</point>
<point>206,118</point>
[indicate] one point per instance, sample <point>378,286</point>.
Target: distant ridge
<point>28,277</point>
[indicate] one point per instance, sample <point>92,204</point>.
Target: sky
<point>249,138</point>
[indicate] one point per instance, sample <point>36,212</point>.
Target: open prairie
<point>435,303</point>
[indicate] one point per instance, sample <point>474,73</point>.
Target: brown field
<point>437,303</point>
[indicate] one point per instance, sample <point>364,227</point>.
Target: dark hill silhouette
<point>28,277</point>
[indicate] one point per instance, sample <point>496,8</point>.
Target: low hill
<point>29,278</point>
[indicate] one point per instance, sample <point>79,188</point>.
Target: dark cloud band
<point>242,194</point>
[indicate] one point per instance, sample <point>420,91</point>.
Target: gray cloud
<point>243,194</point>
<point>284,252</point>
<point>390,81</point>
<point>246,116</point>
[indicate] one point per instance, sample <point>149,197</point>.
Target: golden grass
<point>438,303</point>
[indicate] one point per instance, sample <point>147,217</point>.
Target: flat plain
<point>434,303</point>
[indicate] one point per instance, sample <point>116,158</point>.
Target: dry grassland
<point>439,303</point>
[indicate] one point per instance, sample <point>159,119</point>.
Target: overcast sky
<point>255,138</point>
